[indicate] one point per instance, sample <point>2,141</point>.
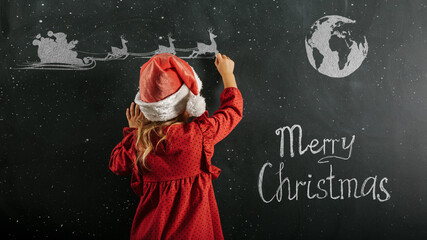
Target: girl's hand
<point>135,116</point>
<point>224,64</point>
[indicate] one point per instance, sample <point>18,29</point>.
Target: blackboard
<point>346,78</point>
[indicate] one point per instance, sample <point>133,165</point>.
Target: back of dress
<point>176,157</point>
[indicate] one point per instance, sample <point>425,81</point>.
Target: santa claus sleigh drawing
<point>56,53</point>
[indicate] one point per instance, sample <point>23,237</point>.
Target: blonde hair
<point>144,144</point>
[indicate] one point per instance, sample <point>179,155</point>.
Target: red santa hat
<point>168,86</point>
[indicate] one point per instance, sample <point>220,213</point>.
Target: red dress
<point>177,200</point>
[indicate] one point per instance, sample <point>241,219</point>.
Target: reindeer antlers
<point>210,30</point>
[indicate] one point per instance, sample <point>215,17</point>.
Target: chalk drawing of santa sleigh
<point>56,53</point>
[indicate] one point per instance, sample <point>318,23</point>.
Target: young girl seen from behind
<point>169,156</point>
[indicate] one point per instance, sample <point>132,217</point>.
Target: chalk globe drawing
<point>334,48</point>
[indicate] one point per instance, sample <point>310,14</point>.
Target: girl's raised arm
<point>225,119</point>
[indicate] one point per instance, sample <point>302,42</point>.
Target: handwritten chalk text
<point>324,187</point>
<point>326,146</point>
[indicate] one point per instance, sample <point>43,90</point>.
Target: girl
<point>169,156</point>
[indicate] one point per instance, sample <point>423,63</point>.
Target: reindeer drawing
<point>117,53</point>
<point>164,49</point>
<point>203,48</point>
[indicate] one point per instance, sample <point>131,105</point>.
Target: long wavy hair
<point>144,142</point>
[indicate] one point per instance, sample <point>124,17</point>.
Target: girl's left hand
<point>134,116</point>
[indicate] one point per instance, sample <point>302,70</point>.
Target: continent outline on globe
<point>334,47</point>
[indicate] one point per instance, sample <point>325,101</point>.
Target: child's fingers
<point>132,110</point>
<point>141,117</point>
<point>218,58</point>
<point>227,58</point>
<point>127,113</point>
<point>136,110</point>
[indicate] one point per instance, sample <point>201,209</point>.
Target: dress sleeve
<point>123,154</point>
<point>225,119</point>
<point>219,125</point>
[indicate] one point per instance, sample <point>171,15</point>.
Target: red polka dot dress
<point>177,200</point>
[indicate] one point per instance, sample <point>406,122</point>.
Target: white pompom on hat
<point>168,86</point>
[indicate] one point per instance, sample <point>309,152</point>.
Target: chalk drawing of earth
<point>334,46</point>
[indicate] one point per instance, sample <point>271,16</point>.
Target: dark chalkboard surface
<point>332,144</point>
